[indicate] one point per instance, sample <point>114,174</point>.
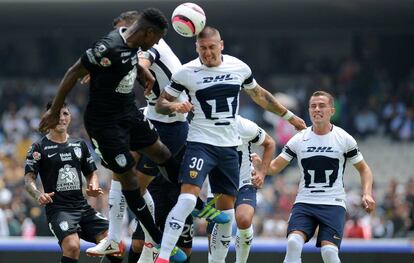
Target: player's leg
<point>301,227</point>
<point>71,248</point>
<point>245,207</point>
<point>111,244</point>
<point>197,162</point>
<point>65,227</point>
<point>331,226</point>
<point>226,183</point>
<point>137,244</point>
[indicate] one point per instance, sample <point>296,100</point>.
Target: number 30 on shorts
<point>196,163</point>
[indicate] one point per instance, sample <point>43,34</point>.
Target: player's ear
<point>222,45</point>
<point>333,110</point>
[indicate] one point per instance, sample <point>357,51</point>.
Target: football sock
<point>170,169</point>
<point>138,206</point>
<point>294,248</point>
<point>133,257</point>
<point>113,259</point>
<point>330,254</point>
<point>199,204</point>
<point>220,239</point>
<point>150,202</point>
<point>116,211</point>
<point>244,239</point>
<point>175,223</point>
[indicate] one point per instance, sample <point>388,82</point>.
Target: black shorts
<point>165,197</point>
<point>113,140</point>
<point>85,221</point>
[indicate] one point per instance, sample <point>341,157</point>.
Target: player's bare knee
<point>137,245</point>
<point>129,180</point>
<point>71,247</point>
<point>243,221</point>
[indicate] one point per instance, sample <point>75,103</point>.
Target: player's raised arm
<point>267,101</point>
<point>51,117</point>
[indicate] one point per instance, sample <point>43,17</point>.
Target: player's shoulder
<point>302,135</point>
<point>341,132</point>
<point>245,125</point>
<point>75,142</point>
<point>192,64</point>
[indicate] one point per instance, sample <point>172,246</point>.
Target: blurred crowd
<point>368,103</point>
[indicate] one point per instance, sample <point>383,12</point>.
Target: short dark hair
<point>207,32</point>
<point>128,16</point>
<point>49,105</point>
<point>155,17</point>
<point>326,94</point>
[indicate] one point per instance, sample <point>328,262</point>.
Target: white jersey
<point>164,64</point>
<point>322,159</point>
<point>214,92</point>
<point>251,134</point>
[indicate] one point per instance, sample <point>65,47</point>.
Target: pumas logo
<point>313,149</point>
<point>193,174</point>
<point>217,78</point>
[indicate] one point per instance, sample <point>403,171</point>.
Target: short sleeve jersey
<point>322,160</point>
<point>251,134</point>
<point>214,92</point>
<point>164,64</point>
<point>112,66</point>
<point>60,166</point>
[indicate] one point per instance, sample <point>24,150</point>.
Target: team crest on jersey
<point>121,160</point>
<point>64,225</point>
<point>105,62</point>
<point>193,174</point>
<point>36,156</point>
<point>78,152</point>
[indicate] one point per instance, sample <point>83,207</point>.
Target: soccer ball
<point>188,19</point>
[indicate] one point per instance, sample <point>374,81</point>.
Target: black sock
<point>133,257</point>
<point>199,204</point>
<point>64,259</point>
<point>172,168</point>
<point>138,206</point>
<point>113,259</point>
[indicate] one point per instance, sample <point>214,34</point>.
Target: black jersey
<point>60,166</point>
<point>113,70</point>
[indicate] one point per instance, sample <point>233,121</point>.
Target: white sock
<point>244,239</point>
<point>146,254</point>
<point>220,239</point>
<point>175,223</point>
<point>294,248</point>
<point>330,254</point>
<point>116,211</point>
<point>150,202</point>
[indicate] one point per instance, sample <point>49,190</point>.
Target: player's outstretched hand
<point>258,179</point>
<point>368,203</point>
<point>298,123</point>
<point>48,121</point>
<point>183,107</point>
<point>45,198</point>
<point>94,191</point>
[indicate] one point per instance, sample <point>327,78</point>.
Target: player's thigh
<point>173,135</point>
<point>143,133</point>
<point>302,219</point>
<point>93,224</point>
<point>224,179</point>
<point>331,226</point>
<point>199,159</point>
<point>64,223</point>
<point>111,143</point>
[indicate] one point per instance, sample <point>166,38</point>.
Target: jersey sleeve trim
<point>289,152</point>
<point>249,83</point>
<point>260,137</point>
<point>174,89</point>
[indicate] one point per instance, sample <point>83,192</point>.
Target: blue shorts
<point>173,135</point>
<point>247,195</point>
<point>330,219</point>
<point>221,164</point>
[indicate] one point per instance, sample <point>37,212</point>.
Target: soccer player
<point>322,151</point>
<point>116,127</point>
<point>251,135</point>
<point>60,161</point>
<point>213,82</point>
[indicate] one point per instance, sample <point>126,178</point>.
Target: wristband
<point>288,115</point>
